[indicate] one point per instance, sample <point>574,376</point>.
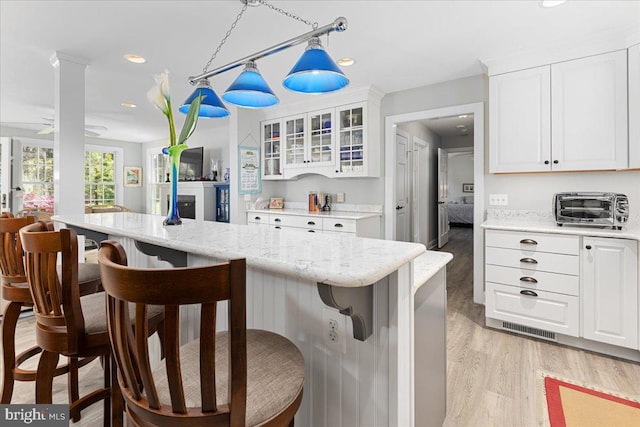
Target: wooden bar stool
<point>15,291</point>
<point>67,323</point>
<point>236,378</point>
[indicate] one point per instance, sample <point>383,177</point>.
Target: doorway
<point>391,124</point>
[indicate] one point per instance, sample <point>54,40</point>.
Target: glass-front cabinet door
<point>320,150</point>
<point>294,137</point>
<point>272,150</point>
<point>351,136</point>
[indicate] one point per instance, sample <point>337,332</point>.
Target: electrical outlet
<point>340,198</point>
<point>498,199</point>
<point>334,330</point>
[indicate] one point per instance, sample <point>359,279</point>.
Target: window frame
<point>118,162</point>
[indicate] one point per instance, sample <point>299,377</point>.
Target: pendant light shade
<point>250,90</point>
<point>315,72</point>
<point>211,105</point>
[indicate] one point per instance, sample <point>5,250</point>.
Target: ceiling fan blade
<point>88,132</point>
<point>45,131</point>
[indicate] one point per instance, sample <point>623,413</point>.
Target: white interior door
<point>5,174</point>
<point>420,191</point>
<point>402,186</point>
<point>443,195</point>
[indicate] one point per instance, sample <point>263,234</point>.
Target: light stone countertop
<point>427,265</point>
<point>541,225</point>
<point>329,214</point>
<point>335,259</point>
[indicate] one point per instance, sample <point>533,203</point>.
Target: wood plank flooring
<point>492,375</point>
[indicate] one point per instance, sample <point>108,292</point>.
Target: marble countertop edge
<point>425,266</point>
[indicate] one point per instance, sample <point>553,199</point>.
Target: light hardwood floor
<point>492,375</point>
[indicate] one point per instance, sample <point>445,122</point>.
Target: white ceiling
<point>397,45</point>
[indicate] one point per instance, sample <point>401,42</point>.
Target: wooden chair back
<point>56,303</point>
<point>171,288</point>
<point>11,264</point>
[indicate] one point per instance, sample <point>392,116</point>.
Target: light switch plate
<point>498,199</point>
<point>340,198</point>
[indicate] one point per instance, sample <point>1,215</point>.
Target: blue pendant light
<point>250,90</point>
<point>315,72</point>
<point>211,105</point>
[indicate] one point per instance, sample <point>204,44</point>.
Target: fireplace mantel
<point>204,193</point>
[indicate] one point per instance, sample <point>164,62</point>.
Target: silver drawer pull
<point>338,225</point>
<point>528,242</point>
<point>528,260</point>
<point>529,293</point>
<point>528,279</point>
<point>277,220</point>
<point>311,223</point>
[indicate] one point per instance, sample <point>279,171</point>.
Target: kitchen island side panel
<point>341,390</point>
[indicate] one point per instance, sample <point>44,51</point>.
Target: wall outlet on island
<point>334,330</point>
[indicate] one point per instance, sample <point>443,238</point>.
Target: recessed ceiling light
<point>551,3</point>
<point>345,62</point>
<point>136,59</point>
<point>463,116</point>
<point>460,126</point>
<point>128,105</point>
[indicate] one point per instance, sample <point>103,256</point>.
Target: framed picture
<point>132,176</point>
<point>276,203</point>
<point>467,188</point>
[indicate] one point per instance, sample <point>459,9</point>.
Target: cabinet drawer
<point>548,311</point>
<point>536,261</point>
<point>255,218</point>
<point>533,242</point>
<point>343,225</point>
<point>534,280</point>
<point>312,223</point>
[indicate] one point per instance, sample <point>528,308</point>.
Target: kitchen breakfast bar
<point>387,366</point>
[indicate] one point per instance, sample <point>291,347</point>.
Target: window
<point>99,178</point>
<point>37,177</point>
<point>158,166</point>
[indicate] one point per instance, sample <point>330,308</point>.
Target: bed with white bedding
<point>461,210</point>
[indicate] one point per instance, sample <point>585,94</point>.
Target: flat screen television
<point>191,164</point>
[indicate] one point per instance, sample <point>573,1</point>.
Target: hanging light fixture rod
<point>339,25</point>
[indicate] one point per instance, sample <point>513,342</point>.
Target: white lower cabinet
<point>362,227</point>
<point>580,286</point>
<point>609,293</point>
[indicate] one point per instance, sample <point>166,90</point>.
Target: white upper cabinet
<point>634,107</point>
<point>336,141</point>
<point>589,113</point>
<point>520,121</point>
<point>566,116</point>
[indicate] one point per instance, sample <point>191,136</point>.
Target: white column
<point>68,142</point>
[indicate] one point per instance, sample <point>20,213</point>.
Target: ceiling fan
<point>89,130</point>
<point>48,126</point>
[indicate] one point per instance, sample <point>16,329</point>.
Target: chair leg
<point>117,402</point>
<point>44,377</point>
<point>9,321</point>
<point>292,422</point>
<point>72,385</point>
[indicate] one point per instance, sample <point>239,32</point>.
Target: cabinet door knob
<point>555,162</point>
<point>546,162</point>
<point>528,293</point>
<point>528,279</point>
<point>528,260</point>
<point>528,242</point>
<point>588,247</point>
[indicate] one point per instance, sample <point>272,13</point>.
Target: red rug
<point>571,405</point>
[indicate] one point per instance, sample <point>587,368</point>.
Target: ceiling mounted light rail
<point>314,73</point>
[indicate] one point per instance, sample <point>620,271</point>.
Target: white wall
<point>460,172</point>
<point>530,191</point>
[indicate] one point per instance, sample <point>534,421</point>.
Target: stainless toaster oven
<point>591,209</point>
